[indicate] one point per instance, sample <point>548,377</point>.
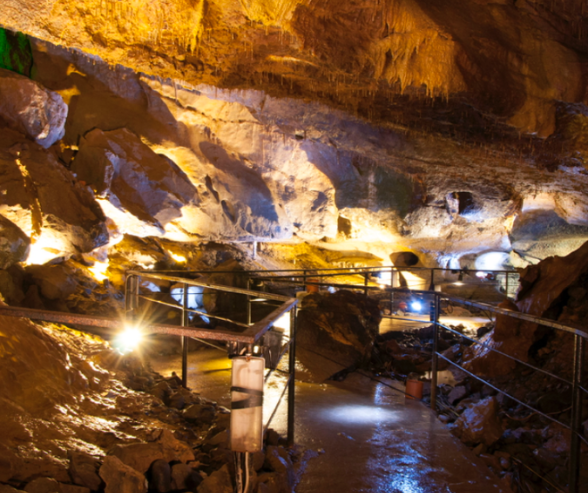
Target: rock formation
<point>450,130</point>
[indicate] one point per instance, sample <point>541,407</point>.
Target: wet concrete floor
<point>370,438</point>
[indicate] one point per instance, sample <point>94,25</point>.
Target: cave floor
<point>369,437</point>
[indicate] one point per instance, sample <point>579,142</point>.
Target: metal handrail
<point>579,336</point>
<point>272,275</point>
<point>578,333</point>
<point>252,334</point>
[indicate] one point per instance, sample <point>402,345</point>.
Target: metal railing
<point>575,383</point>
<point>505,281</point>
<point>369,286</point>
<point>310,278</point>
<point>252,334</point>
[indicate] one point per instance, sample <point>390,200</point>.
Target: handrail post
<point>366,277</point>
<point>506,285</point>
<point>248,301</point>
<point>292,376</point>
<point>574,464</point>
<point>136,293</point>
<point>434,363</point>
<point>185,340</point>
<point>131,295</point>
<point>128,291</point>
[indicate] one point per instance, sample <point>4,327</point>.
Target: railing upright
<point>185,340</point>
<point>435,360</point>
<point>574,464</point>
<point>292,377</point>
<point>248,301</point>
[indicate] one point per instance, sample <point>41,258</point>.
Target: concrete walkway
<point>369,437</point>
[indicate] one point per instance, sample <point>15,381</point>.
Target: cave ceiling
<point>448,127</point>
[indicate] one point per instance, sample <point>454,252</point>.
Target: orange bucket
<point>414,389</point>
<point>311,288</point>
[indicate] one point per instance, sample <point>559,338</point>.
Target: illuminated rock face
<point>402,120</point>
<point>511,59</point>
<point>42,198</point>
<point>31,109</point>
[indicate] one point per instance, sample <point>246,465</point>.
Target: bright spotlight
<point>128,340</point>
<point>416,306</point>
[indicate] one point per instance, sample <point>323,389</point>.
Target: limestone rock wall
<point>148,156</point>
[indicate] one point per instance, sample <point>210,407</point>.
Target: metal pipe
<point>434,363</point>
<point>365,283</point>
<point>292,377</point>
<point>185,340</point>
<point>576,423</point>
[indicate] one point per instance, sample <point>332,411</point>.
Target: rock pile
<point>78,418</point>
<point>523,446</point>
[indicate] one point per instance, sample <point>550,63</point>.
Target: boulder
<point>43,485</point>
<point>341,327</point>
<point>56,281</point>
<point>479,423</point>
<point>128,174</point>
<point>456,394</point>
<point>218,482</point>
<point>185,477</point>
<point>278,461</point>
<point>14,244</point>
<point>83,469</point>
<point>160,473</point>
<point>172,448</point>
<point>10,288</point>
<point>162,446</point>
<point>200,413</point>
<point>4,488</point>
<point>28,107</point>
<point>120,478</point>
<point>139,456</point>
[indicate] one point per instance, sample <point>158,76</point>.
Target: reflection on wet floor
<point>402,323</point>
<point>373,439</point>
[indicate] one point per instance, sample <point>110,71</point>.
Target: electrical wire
<point>238,473</point>
<point>246,472</point>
